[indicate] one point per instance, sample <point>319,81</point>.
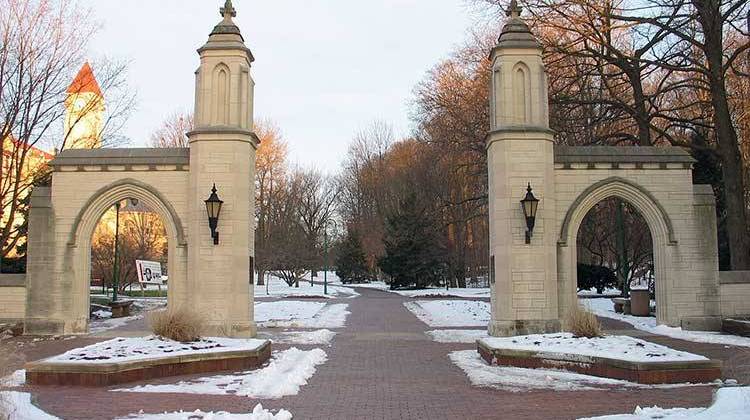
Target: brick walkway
<point>383,366</point>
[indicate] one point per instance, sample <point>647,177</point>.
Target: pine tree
<point>414,256</point>
<point>351,265</point>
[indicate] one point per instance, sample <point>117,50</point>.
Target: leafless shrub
<point>583,323</point>
<point>181,325</point>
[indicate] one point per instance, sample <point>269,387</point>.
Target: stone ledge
<point>12,280</point>
<point>122,157</point>
<point>621,154</point>
<point>734,277</point>
<point>639,372</point>
<point>106,374</point>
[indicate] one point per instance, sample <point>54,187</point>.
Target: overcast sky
<point>324,68</point>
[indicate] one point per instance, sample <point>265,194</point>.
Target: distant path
<point>381,366</point>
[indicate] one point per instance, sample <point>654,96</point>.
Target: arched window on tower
<point>221,100</point>
<point>520,94</point>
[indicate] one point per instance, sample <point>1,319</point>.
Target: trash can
<point>640,302</point>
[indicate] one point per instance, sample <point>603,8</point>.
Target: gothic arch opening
<point>221,94</point>
<point>642,203</point>
<point>521,91</point>
<point>146,217</point>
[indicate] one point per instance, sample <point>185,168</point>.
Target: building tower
<point>222,152</point>
<point>84,112</point>
<point>521,152</point>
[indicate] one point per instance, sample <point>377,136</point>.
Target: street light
<point>213,208</point>
<point>530,205</point>
<point>325,255</point>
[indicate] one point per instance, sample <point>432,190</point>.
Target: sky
<point>324,69</point>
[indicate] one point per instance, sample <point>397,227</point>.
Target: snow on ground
<point>297,314</point>
<point>18,406</point>
<point>457,336</point>
<point>278,288</point>
<point>463,293</point>
<point>603,307</point>
<point>301,338</point>
<point>613,347</point>
<point>377,285</point>
<point>521,380</point>
<point>607,292</point>
<point>729,404</point>
<point>152,347</point>
<point>102,325</point>
<point>287,372</point>
<point>451,313</point>
<point>17,378</point>
<point>259,413</point>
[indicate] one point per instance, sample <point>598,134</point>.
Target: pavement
<point>381,366</point>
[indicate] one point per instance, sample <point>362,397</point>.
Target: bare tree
<point>42,46</point>
<point>173,131</point>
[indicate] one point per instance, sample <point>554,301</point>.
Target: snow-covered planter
<point>736,326</point>
<point>123,360</point>
<point>616,357</point>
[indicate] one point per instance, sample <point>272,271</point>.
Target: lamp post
<point>325,256</point>
<point>213,208</point>
<point>116,264</point>
<point>530,205</point>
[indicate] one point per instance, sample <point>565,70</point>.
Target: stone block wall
<point>735,293</point>
<point>12,297</point>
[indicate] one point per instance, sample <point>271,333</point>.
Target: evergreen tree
<point>351,265</point>
<point>414,255</point>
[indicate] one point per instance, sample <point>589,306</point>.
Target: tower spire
<point>228,11</point>
<point>514,10</point>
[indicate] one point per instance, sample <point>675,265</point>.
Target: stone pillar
<point>222,152</point>
<point>40,307</point>
<point>520,151</point>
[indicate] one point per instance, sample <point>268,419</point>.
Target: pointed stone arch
<point>659,224</point>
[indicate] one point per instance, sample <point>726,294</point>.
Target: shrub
<point>180,325</point>
<point>583,323</point>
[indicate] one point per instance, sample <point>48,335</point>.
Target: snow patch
<point>259,413</point>
<point>287,372</point>
<point>16,379</point>
<point>18,406</point>
<point>729,404</point>
<point>451,313</point>
<point>462,293</point>
<point>102,325</point>
<point>457,336</point>
<point>603,307</point>
<point>277,288</point>
<point>152,347</point>
<point>613,347</point>
<point>301,315</point>
<point>318,337</point>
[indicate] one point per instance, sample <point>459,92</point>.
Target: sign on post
<point>149,272</point>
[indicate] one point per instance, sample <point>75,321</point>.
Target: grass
<point>583,323</point>
<point>181,325</point>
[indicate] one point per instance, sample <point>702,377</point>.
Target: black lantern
<point>530,205</point>
<point>213,207</point>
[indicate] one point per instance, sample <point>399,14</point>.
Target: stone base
<point>639,372</point>
<point>701,323</point>
<point>737,326</point>
<point>121,308</point>
<point>43,327</point>
<point>524,327</point>
<point>232,330</point>
<point>99,374</point>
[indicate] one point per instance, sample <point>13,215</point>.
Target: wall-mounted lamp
<point>530,205</point>
<point>213,208</point>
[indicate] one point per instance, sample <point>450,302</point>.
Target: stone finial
<point>514,10</point>
<point>228,11</point>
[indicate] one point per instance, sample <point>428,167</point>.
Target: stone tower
<point>222,152</point>
<point>520,152</point>
<point>84,112</point>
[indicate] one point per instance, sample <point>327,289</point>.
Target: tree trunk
<point>709,16</point>
<point>261,277</point>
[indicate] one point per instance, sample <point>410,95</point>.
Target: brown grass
<point>582,323</point>
<point>180,325</point>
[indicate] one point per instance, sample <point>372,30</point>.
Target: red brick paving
<point>383,366</point>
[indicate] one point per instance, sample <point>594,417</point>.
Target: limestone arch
<point>78,252</point>
<point>657,219</point>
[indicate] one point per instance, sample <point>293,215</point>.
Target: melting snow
<point>259,413</point>
<point>613,347</point>
<point>457,336</point>
<point>451,313</point>
<point>301,338</point>
<point>17,378</point>
<point>296,314</point>
<point>283,376</point>
<point>18,406</point>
